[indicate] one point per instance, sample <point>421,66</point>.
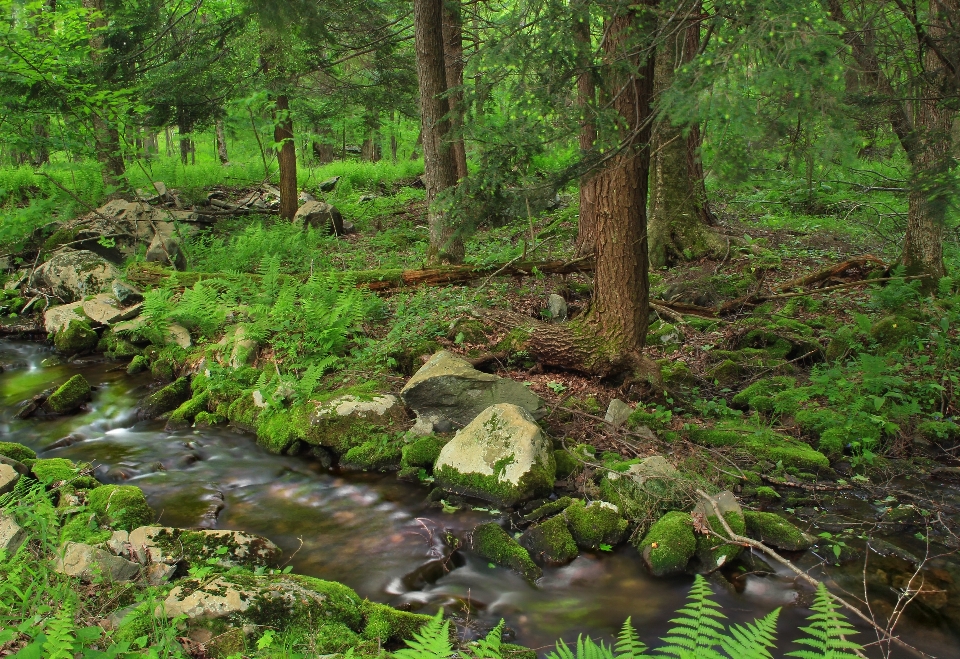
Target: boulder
<point>72,275</point>
<point>179,335</point>
<point>11,535</point>
<point>712,551</point>
<point>125,293</point>
<point>775,531</point>
<point>617,412</point>
<point>69,396</point>
<point>501,456</point>
<point>669,544</point>
<point>448,389</point>
<point>159,544</point>
<point>550,542</point>
<point>105,310</point>
<point>329,184</point>
<point>166,250</point>
<point>56,319</point>
<point>320,215</point>
<point>77,337</point>
<point>8,478</point>
<point>557,307</point>
<point>89,563</point>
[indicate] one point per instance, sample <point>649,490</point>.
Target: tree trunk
<point>168,134</point>
<point>184,131</point>
<point>680,219</point>
<point>370,150</point>
<point>439,165</point>
<point>221,143</point>
<point>586,96</point>
<point>453,66</point>
<point>41,153</point>
<point>105,135</point>
<point>286,157</point>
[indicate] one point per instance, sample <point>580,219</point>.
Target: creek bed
<point>371,532</point>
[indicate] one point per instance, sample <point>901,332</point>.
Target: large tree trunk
<point>105,135</point>
<point>453,65</point>
<point>440,170</point>
<point>221,142</point>
<point>586,95</point>
<point>286,158</point>
<point>680,219</point>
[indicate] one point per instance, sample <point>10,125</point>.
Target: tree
<point>453,66</point>
<point>586,99</point>
<point>106,134</point>
<point>440,169</point>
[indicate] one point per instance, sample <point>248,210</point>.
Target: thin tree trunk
<point>221,143</point>
<point>586,95</point>
<point>184,131</point>
<point>680,219</point>
<point>439,164</point>
<point>453,66</point>
<point>41,154</point>
<point>370,150</point>
<point>106,136</point>
<point>168,135</point>
<point>286,158</point>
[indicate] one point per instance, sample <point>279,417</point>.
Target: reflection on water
<point>371,532</point>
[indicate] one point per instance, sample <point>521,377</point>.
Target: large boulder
<point>105,309</point>
<point>501,456</point>
<point>449,391</point>
<point>73,275</point>
<point>160,544</point>
<point>320,215</point>
<point>88,563</point>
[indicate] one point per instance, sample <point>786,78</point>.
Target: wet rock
<point>501,456</point>
<point>712,551</point>
<point>320,215</point>
<point>56,319</point>
<point>89,563</point>
<point>594,524</point>
<point>329,184</point>
<point>8,478</point>
<point>105,310</point>
<point>550,542</point>
<point>557,307</point>
<point>901,519</point>
<point>158,544</point>
<point>125,293</point>
<point>76,338</point>
<point>617,412</point>
<point>72,275</point>
<point>493,543</point>
<point>448,388</point>
<point>669,544</point>
<point>888,550</point>
<point>70,396</point>
<point>165,400</point>
<point>29,407</point>
<point>775,531</point>
<point>11,535</point>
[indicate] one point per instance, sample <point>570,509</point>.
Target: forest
<point>479,329</point>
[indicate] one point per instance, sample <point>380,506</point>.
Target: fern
<point>827,632</point>
<point>586,649</point>
<point>697,632</point>
<point>432,642</point>
<point>752,640</point>
<point>629,644</point>
<point>60,635</point>
<point>486,648</point>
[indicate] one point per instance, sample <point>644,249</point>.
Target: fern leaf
<point>432,641</point>
<point>752,640</point>
<point>696,632</point>
<point>629,645</point>
<point>486,648</point>
<point>827,631</point>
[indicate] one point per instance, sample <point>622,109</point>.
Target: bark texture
<point>440,169</point>
<point>286,158</point>
<point>105,134</point>
<point>453,66</point>
<point>221,143</point>
<point>586,95</point>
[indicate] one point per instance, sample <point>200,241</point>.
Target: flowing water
<point>371,532</point>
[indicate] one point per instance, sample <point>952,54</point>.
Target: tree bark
<point>586,96</point>
<point>105,135</point>
<point>221,143</point>
<point>370,150</point>
<point>453,66</point>
<point>286,157</point>
<point>680,219</point>
<point>440,170</point>
<point>168,134</point>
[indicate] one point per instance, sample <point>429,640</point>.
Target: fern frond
<point>629,645</point>
<point>752,640</point>
<point>827,631</point>
<point>697,632</point>
<point>431,642</point>
<point>486,648</point>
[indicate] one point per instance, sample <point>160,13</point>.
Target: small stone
<point>550,542</point>
<point>11,535</point>
<point>617,413</point>
<point>329,184</point>
<point>557,307</point>
<point>8,478</point>
<point>126,294</point>
<point>422,428</point>
<point>320,215</point>
<point>179,335</point>
<point>87,563</point>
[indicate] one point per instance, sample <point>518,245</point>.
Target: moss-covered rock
<point>567,464</point>
<point>243,411</point>
<point>165,399</point>
<point>550,542</point>
<point>183,416</point>
<point>669,544</point>
<point>17,452</point>
<point>892,330</point>
<point>548,509</point>
<point>714,551</point>
<point>208,420</point>
<point>137,365</point>
<point>335,637</point>
<point>760,395</point>
<point>643,491</point>
<point>387,624</point>
<point>841,343</point>
<point>726,372</point>
<point>379,453</point>
<point>70,395</point>
<point>77,337</point>
<point>120,506</point>
<point>115,346</point>
<point>420,454</point>
<point>775,531</point>
<point>676,373</point>
<point>160,544</point>
<point>85,530</point>
<point>594,524</point>
<point>56,470</point>
<point>762,444</point>
<point>493,543</point>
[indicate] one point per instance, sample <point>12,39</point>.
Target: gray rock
<point>320,215</point>
<point>179,335</point>
<point>8,478</point>
<point>157,195</point>
<point>354,406</point>
<point>166,250</point>
<point>56,319</point>
<point>365,198</point>
<point>88,562</point>
<point>126,294</point>
<point>72,275</point>
<point>11,535</point>
<point>329,184</point>
<point>105,309</point>
<point>158,574</point>
<point>243,350</point>
<point>557,307</point>
<point>447,387</point>
<point>17,466</point>
<point>159,544</point>
<point>501,456</point>
<point>617,412</point>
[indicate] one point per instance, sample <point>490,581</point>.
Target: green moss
<point>117,347</point>
<point>186,413</point>
<point>335,637</point>
<point>18,452</point>
<point>387,624</point>
<point>137,365</point>
<point>713,551</point>
<point>676,373</point>
<point>840,344</point>
<point>511,651</point>
<point>817,420</point>
<point>549,508</point>
<point>61,236</point>
<point>535,483</point>
<point>422,452</point>
<point>70,395</point>
<point>55,470</point>
<point>594,524</point>
<point>762,444</point>
<point>467,330</point>
<point>767,493</point>
<point>84,529</point>
<point>936,430</point>
<point>77,337</point>
<point>243,412</point>
<point>120,506</point>
<point>726,372</point>
<point>341,604</point>
<point>551,542</point>
<point>382,453</point>
<point>775,531</point>
<point>406,360</point>
<point>669,544</point>
<point>493,543</point>
<point>759,395</point>
<point>567,465</point>
<point>892,330</point>
<point>166,399</point>
<point>207,420</point>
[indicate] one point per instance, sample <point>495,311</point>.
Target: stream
<point>371,532</point>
